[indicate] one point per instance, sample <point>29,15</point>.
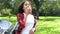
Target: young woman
<point>26,21</point>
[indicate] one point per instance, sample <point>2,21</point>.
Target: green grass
<point>45,25</point>
<point>48,25</point>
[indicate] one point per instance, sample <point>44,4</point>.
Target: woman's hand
<point>32,31</point>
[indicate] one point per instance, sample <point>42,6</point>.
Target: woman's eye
<point>27,4</point>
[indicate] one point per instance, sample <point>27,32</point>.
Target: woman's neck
<point>25,16</point>
<point>25,13</point>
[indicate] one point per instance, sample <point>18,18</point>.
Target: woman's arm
<point>34,27</point>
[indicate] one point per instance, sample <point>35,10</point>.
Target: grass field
<point>48,25</point>
<point>45,25</point>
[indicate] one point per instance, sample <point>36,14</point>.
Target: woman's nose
<point>27,5</point>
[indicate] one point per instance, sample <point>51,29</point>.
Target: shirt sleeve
<point>20,20</point>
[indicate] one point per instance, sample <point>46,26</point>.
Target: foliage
<point>40,7</point>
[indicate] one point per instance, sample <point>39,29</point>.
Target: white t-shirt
<point>29,24</point>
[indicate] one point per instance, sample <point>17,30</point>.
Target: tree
<point>38,4</point>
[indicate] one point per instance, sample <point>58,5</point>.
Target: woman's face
<point>27,7</point>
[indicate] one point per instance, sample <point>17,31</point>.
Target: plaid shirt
<point>21,22</point>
